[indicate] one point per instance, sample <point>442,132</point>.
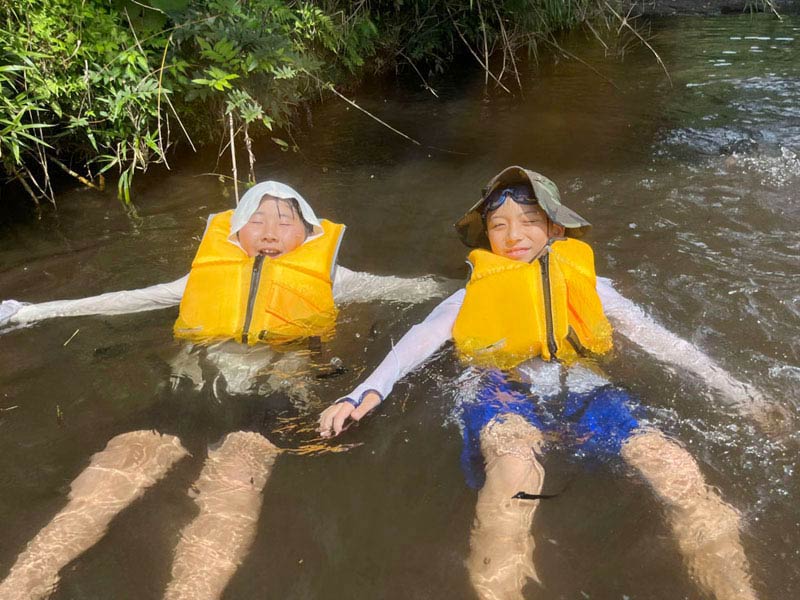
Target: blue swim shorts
<point>594,423</point>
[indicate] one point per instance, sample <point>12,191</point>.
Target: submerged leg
<point>229,496</point>
<point>186,368</point>
<point>501,542</point>
<point>115,477</point>
<point>705,527</point>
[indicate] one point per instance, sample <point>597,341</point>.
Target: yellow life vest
<point>515,310</point>
<point>259,299</point>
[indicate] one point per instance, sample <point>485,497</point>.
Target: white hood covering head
<point>251,200</point>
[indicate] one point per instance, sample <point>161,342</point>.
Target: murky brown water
<point>692,190</point>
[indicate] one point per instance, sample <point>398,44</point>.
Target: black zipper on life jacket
<point>255,278</point>
<point>544,263</point>
<point>575,341</point>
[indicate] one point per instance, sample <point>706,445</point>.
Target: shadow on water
<point>692,191</point>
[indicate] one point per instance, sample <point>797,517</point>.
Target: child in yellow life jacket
<point>532,310</point>
<point>262,280</point>
<point>264,272</point>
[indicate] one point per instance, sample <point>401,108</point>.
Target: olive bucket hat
<point>472,229</point>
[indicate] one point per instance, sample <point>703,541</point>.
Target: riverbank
<point>99,90</point>
<point>664,8</point>
<point>108,94</point>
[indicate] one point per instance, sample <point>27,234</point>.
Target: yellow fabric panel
<point>217,286</point>
<point>503,320</point>
<point>586,317</point>
<point>293,299</point>
<point>489,325</point>
<point>291,304</point>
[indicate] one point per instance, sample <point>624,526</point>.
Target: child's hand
<point>8,308</point>
<point>333,419</point>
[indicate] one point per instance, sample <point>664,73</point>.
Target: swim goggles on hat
<point>518,193</point>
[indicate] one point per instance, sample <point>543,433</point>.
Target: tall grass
<point>93,87</point>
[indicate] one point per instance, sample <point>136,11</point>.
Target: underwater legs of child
<point>228,493</point>
<point>501,542</point>
<point>705,527</point>
<point>116,476</point>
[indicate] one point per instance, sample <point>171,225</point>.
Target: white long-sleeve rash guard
<point>348,286</point>
<point>422,340</point>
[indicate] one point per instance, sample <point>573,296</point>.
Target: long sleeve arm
<point>349,286</point>
<point>154,297</point>
<point>354,286</point>
<point>632,322</point>
<point>414,348</point>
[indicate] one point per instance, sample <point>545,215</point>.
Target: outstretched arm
<point>632,322</point>
<point>356,286</point>
<point>157,296</point>
<point>414,348</point>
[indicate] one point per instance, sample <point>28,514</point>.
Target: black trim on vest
<point>255,279</point>
<point>544,264</point>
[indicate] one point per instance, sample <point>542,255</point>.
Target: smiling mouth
<point>271,252</point>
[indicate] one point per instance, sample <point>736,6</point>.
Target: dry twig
<point>329,86</point>
<point>625,24</point>
<point>233,159</point>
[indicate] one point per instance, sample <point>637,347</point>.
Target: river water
<point>692,188</point>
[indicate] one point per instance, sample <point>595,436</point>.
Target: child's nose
<point>270,233</point>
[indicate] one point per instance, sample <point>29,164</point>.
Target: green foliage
<point>114,84</point>
<point>106,82</point>
<point>87,80</point>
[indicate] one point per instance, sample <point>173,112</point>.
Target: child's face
<point>274,229</point>
<point>520,231</point>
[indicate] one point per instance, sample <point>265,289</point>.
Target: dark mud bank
<point>712,7</point>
